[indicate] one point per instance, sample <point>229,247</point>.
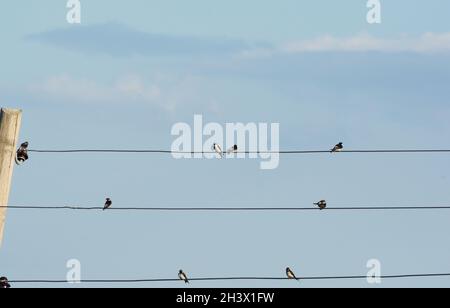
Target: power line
<point>159,151</point>
<point>312,278</point>
<point>229,209</point>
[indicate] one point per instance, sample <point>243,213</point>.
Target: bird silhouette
<point>183,276</point>
<point>337,148</point>
<point>322,204</point>
<point>108,204</point>
<point>290,274</point>
<point>4,283</point>
<point>218,150</point>
<point>233,149</point>
<point>22,153</point>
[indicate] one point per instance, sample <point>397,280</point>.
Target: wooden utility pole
<point>10,121</point>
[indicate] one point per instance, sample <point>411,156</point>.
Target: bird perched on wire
<point>322,204</point>
<point>218,150</point>
<point>108,204</point>
<point>183,276</point>
<point>22,153</point>
<point>290,274</point>
<point>338,148</point>
<point>4,283</point>
<point>233,149</point>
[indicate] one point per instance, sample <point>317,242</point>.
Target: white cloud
<point>135,88</point>
<point>426,43</point>
<point>126,89</point>
<point>257,53</point>
<point>168,93</point>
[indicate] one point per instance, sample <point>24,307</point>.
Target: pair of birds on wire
<point>218,150</point>
<point>289,273</point>
<point>322,204</point>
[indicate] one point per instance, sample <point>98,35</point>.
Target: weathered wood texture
<point>10,121</point>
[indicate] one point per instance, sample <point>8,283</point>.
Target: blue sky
<point>130,71</point>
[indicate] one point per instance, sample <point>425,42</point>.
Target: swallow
<point>233,149</point>
<point>218,149</point>
<point>183,276</point>
<point>290,274</point>
<point>338,148</point>
<point>108,204</point>
<point>4,283</point>
<point>322,204</point>
<point>22,153</point>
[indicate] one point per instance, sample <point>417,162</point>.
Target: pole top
<point>11,111</point>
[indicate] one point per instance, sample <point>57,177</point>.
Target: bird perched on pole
<point>22,153</point>
<point>108,204</point>
<point>4,283</point>
<point>290,274</point>
<point>183,276</point>
<point>338,148</point>
<point>218,150</point>
<point>322,204</point>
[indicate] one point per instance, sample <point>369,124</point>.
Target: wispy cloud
<point>165,93</point>
<point>426,43</point>
<point>120,40</point>
<point>127,89</point>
